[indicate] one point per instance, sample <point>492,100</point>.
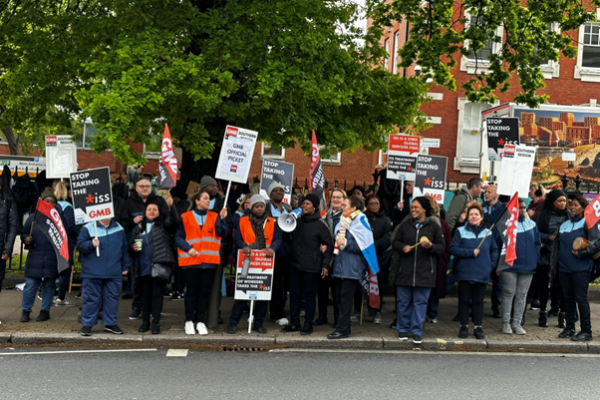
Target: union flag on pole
<point>167,167</point>
<point>507,227</point>
<point>317,180</point>
<point>592,213</point>
<point>48,220</point>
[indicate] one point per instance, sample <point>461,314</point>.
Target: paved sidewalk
<point>63,328</point>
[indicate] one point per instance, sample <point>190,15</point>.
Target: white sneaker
<point>189,328</point>
<point>282,321</point>
<point>54,299</point>
<point>64,302</point>
<point>377,318</point>
<point>201,328</point>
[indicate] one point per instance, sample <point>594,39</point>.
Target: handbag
<point>162,272</point>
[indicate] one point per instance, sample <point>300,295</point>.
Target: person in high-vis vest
<point>257,232</point>
<point>198,241</point>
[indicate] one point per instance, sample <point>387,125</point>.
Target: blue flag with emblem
<point>363,234</point>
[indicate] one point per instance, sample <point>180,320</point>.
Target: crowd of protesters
<point>418,246</point>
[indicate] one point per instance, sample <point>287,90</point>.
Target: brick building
<point>457,121</point>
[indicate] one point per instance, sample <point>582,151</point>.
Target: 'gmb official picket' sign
<point>92,195</point>
<point>258,284</point>
<point>236,154</point>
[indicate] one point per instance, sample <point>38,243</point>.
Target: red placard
<point>405,144</point>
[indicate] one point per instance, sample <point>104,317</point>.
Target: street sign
<point>92,195</point>
<point>431,177</point>
<point>19,164</point>
<point>279,171</point>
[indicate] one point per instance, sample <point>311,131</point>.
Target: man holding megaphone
<point>308,264</point>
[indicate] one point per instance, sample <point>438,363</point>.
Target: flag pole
<point>494,224</point>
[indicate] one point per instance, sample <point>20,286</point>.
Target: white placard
<point>236,154</point>
<point>515,174</point>
<point>402,155</point>
<point>61,156</point>
<point>569,156</point>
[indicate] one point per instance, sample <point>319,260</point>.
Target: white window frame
<point>334,159</point>
<point>271,156</point>
<point>586,74</point>
<point>395,56</point>
<point>552,68</point>
<point>480,66</point>
<point>466,165</point>
<point>387,54</point>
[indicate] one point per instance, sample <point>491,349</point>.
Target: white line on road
<point>25,353</point>
<point>177,352</point>
<point>425,352</point>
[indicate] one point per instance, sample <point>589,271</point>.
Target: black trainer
<point>44,316</point>
<point>543,319</point>
<point>417,339</point>
<point>258,327</point>
<point>135,313</point>
<point>113,329</point>
<point>403,336</point>
<point>231,329</point>
<point>155,328</point>
<point>144,327</point>
<point>582,337</point>
<point>463,333</point>
<point>24,316</point>
<point>307,329</point>
<point>567,333</point>
<point>86,331</point>
<point>478,333</point>
<point>290,328</point>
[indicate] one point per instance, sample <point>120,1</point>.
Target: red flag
<point>317,179</point>
<point>374,299</point>
<point>592,213</point>
<point>167,168</point>
<point>507,226</point>
<point>48,220</point>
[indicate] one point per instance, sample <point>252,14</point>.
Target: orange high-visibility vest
<point>204,240</point>
<point>248,233</point>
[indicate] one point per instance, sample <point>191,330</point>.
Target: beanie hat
<point>273,185</point>
<point>314,199</point>
<point>207,181</point>
<point>424,202</point>
<point>255,199</point>
<point>48,192</point>
<point>554,195</point>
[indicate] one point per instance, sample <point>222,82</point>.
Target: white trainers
<point>189,328</point>
<point>64,302</point>
<point>54,299</point>
<point>518,329</point>
<point>377,318</point>
<point>201,328</point>
<point>282,321</point>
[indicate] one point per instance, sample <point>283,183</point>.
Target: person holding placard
<point>198,241</point>
<point>476,254</point>
<point>61,191</point>
<point>257,232</point>
<point>102,276</point>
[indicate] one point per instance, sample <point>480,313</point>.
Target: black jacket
<point>305,254</point>
<point>10,225</point>
<point>382,231</point>
<point>121,211</point>
<point>136,206</point>
<point>419,266</point>
<point>41,259</point>
<point>226,240</point>
<point>162,244</point>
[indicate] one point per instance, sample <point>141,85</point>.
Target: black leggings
<point>470,294</point>
<point>542,280</point>
<point>151,293</point>
<point>198,282</point>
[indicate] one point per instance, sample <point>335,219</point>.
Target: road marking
<point>429,352</point>
<point>25,353</point>
<point>177,352</point>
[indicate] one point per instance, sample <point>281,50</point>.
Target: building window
<point>468,138</point>
<point>84,138</point>
<point>478,62</point>
<point>395,56</point>
<point>588,53</point>
<point>387,54</point>
<point>334,158</point>
<point>277,153</point>
<point>550,69</point>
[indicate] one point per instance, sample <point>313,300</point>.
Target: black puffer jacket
<point>9,227</point>
<point>161,237</point>
<point>382,231</point>
<point>41,259</point>
<point>305,254</point>
<point>419,266</point>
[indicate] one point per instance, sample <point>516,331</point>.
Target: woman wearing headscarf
<point>332,218</point>
<point>476,253</point>
<point>382,235</point>
<point>554,213</point>
<point>516,279</point>
<point>573,268</point>
<point>419,242</point>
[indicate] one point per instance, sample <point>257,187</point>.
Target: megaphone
<point>287,222</point>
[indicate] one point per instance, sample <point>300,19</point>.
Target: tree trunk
<point>13,144</point>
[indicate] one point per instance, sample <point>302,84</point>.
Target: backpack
<point>24,192</point>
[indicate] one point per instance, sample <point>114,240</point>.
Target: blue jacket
<point>528,247</point>
<point>114,255</point>
<point>492,212</point>
<point>41,261</point>
<point>350,263</point>
<point>70,226</point>
<point>568,232</point>
<point>468,267</point>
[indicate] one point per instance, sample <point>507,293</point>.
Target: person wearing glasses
<point>136,207</point>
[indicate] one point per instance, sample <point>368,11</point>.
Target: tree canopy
<point>281,67</point>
